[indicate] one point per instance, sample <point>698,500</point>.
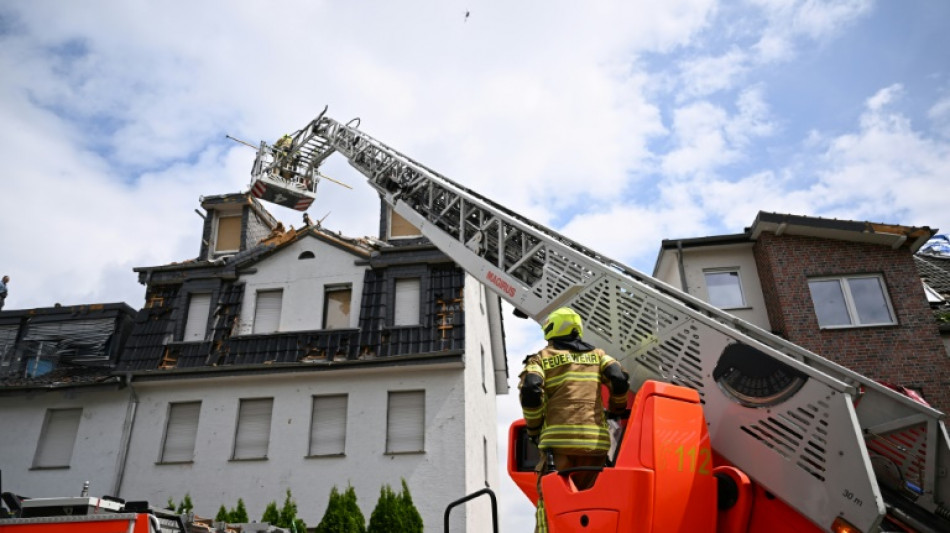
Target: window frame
<point>743,303</point>
<point>314,420</point>
<point>256,328</point>
<point>45,448</point>
<point>219,218</point>
<point>329,289</point>
<point>849,303</point>
<point>163,451</point>
<point>188,317</point>
<point>390,437</point>
<point>415,306</point>
<point>389,226</point>
<point>240,422</point>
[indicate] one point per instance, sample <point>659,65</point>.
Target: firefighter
<point>286,163</point>
<point>560,397</point>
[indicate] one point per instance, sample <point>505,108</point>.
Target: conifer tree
<point>412,520</point>
<point>288,516</point>
<point>386,517</point>
<point>239,515</point>
<point>343,514</point>
<point>271,515</point>
<point>223,515</point>
<point>184,506</point>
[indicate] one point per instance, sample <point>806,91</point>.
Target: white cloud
<point>706,75</point>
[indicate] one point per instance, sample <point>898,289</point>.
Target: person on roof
<point>560,394</point>
<point>3,290</point>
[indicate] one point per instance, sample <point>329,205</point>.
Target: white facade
<point>697,261</point>
<point>303,280</point>
<point>93,457</point>
<point>436,476</point>
<point>122,431</point>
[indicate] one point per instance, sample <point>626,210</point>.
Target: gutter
<point>126,442</point>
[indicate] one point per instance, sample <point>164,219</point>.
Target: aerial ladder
<point>780,437</point>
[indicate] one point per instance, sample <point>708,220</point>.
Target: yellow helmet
<point>561,322</point>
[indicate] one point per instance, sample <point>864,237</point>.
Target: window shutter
<point>181,432</point>
<point>328,426</point>
<point>267,312</point>
<point>407,302</point>
<point>58,437</point>
<point>196,323</point>
<point>253,429</point>
<point>405,427</point>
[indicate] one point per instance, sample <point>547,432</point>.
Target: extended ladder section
<point>829,442</point>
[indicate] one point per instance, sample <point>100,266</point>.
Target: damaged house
<point>287,359</point>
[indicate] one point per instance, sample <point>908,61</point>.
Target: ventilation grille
<point>560,274</point>
<point>799,435</point>
<point>640,326</point>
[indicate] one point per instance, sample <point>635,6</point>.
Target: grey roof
<point>935,270</point>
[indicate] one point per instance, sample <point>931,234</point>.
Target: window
<point>267,311</point>
<point>180,432</point>
<point>400,227</point>
<point>851,301</point>
<point>405,422</point>
<point>406,311</point>
<point>485,459</point>
<point>307,254</point>
<point>253,429</point>
<point>484,386</point>
<point>328,425</point>
<point>229,234</point>
<point>8,336</point>
<point>57,438</point>
<point>724,288</point>
<point>336,307</point>
<point>196,323</point>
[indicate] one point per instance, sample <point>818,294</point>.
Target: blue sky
<point>617,123</point>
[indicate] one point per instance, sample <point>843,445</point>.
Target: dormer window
<point>400,228</point>
<point>227,236</point>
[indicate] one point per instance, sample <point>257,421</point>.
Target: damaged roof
<point>935,270</point>
<point>892,235</point>
<point>278,239</point>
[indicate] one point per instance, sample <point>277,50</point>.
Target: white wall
<point>697,259</point>
<point>302,281</point>
<point>480,411</point>
<point>95,452</point>
<point>435,477</point>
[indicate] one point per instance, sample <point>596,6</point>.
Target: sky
<point>617,123</point>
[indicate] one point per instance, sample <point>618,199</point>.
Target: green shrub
<point>271,514</point>
<point>343,514</point>
<point>395,513</point>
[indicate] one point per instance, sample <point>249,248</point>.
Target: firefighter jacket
<point>569,412</point>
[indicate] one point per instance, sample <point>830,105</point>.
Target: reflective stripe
<point>534,368</point>
<point>573,376</point>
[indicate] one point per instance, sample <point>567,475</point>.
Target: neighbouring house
<point>285,358</point>
<point>847,290</point>
<point>933,263</point>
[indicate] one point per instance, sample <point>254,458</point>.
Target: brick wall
<point>909,354</point>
